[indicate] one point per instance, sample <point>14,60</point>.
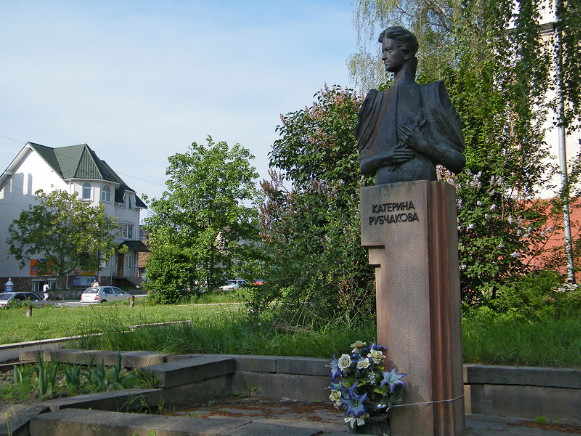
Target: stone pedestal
<point>410,231</point>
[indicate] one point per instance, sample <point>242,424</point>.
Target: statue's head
<point>403,41</point>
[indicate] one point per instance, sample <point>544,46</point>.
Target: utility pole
<point>563,149</point>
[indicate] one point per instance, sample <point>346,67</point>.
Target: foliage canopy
<point>317,269</point>
<point>65,232</point>
<point>205,221</point>
<point>498,65</point>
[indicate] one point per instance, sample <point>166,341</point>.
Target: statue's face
<point>394,58</point>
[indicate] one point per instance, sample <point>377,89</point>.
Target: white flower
<point>511,219</point>
<point>493,207</point>
<point>335,397</point>
<point>516,254</point>
<point>363,363</point>
<point>357,346</point>
<point>344,362</point>
<point>353,421</point>
<point>478,203</point>
<point>376,356</point>
<point>470,226</point>
<point>463,267</point>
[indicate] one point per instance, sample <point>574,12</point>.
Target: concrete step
<point>192,370</point>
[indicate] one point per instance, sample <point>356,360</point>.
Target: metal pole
<point>563,154</point>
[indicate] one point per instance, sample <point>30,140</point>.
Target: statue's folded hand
<point>401,155</point>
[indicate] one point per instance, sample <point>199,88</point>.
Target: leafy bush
<point>529,293</point>
<point>316,270</point>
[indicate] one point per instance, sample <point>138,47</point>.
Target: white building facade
<point>72,169</point>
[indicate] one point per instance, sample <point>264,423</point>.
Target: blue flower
<point>375,346</point>
<point>393,379</point>
<point>335,386</point>
<point>335,371</point>
<point>354,403</point>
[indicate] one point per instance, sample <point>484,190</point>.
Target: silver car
<point>102,294</point>
<point>7,298</point>
<point>232,285</point>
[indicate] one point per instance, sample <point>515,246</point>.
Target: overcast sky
<point>140,80</point>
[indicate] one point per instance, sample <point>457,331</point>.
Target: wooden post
<point>132,301</point>
<point>28,311</point>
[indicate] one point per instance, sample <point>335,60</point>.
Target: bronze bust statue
<point>404,132</point>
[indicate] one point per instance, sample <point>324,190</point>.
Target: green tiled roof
<point>81,162</point>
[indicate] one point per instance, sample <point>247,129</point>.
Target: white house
<point>72,169</point>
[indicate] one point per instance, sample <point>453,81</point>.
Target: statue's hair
<point>406,39</point>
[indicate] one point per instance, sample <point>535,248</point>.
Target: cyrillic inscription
<point>397,212</point>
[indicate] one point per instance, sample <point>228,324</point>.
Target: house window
<point>106,194</point>
<point>130,258</point>
<point>128,200</point>
<point>86,191</point>
<point>125,231</point>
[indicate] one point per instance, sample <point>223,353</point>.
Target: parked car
<point>7,298</point>
<point>232,285</point>
<point>101,294</point>
<point>258,282</point>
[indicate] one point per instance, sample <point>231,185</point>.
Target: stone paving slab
<point>319,417</point>
<point>14,418</point>
<point>97,423</point>
<point>124,399</point>
<point>483,425</point>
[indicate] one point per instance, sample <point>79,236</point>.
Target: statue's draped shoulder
<point>442,118</point>
<point>367,126</point>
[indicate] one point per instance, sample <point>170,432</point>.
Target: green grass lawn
<point>55,322</point>
<point>488,338</point>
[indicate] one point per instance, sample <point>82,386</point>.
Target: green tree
<point>65,232</point>
<point>497,70</point>
<point>207,215</point>
<point>318,269</point>
<point>171,269</point>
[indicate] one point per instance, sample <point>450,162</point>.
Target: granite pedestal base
<point>410,231</point>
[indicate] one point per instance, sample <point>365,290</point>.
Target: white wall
<point>16,195</point>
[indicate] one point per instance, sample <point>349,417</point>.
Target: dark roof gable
<point>81,162</point>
